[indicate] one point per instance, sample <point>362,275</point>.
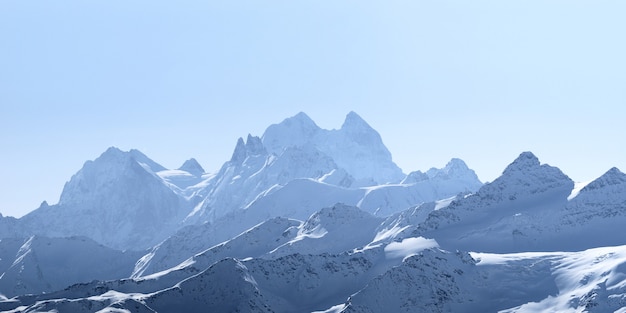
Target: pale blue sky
<point>478,80</point>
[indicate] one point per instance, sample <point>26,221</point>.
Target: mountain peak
<point>301,117</point>
<point>527,176</point>
<point>354,121</point>
<point>299,121</point>
<point>113,152</point>
<point>526,160</point>
<point>456,163</point>
<point>293,131</point>
<point>192,166</point>
<point>612,177</point>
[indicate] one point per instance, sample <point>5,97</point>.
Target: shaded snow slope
<point>254,242</point>
<point>332,230</point>
<point>46,264</point>
<point>502,214</point>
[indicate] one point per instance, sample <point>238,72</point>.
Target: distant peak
<point>612,177</point>
<point>192,166</point>
<point>113,151</point>
<point>301,116</point>
<point>299,119</point>
<point>354,121</point>
<point>456,163</point>
<point>526,160</point>
<point>415,177</point>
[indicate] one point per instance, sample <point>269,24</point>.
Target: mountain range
<point>304,219</point>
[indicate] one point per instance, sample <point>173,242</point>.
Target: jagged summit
<point>526,175</point>
<point>252,146</point>
<point>192,166</point>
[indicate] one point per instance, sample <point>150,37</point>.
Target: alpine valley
<point>304,219</point>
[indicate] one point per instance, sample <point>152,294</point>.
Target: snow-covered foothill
<point>43,264</point>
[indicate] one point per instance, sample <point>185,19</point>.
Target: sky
<point>478,80</point>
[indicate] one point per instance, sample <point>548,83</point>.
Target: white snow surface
<point>408,247</point>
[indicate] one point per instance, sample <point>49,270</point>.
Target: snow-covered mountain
<point>117,200</point>
<point>304,219</point>
<point>342,259</point>
<point>125,200</point>
<point>300,198</point>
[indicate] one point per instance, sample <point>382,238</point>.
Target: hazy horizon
<point>482,81</point>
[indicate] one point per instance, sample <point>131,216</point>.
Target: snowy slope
<point>235,291</point>
<point>253,171</point>
<point>45,264</point>
<point>331,230</point>
<point>254,242</point>
<point>116,200</point>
